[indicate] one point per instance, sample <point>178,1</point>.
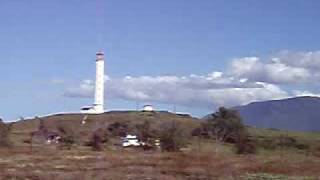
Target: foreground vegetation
<point>134,164</point>
<point>220,147</point>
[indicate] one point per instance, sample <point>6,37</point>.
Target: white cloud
<point>85,90</point>
<point>274,71</point>
<point>245,80</point>
<point>203,91</point>
<point>305,93</point>
<point>308,60</point>
<point>285,67</point>
<point>240,96</point>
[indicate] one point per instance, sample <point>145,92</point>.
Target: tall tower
<point>98,105</point>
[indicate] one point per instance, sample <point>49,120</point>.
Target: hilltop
<point>21,130</point>
<point>98,120</point>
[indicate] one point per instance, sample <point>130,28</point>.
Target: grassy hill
<point>21,130</point>
<point>101,119</point>
<point>280,155</point>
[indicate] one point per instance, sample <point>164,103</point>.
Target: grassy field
<point>49,163</point>
<point>201,159</point>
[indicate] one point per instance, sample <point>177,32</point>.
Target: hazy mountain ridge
<point>299,113</point>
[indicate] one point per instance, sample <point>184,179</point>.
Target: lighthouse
<point>99,91</point>
<point>98,106</point>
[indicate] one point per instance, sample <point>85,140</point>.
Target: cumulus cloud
<point>274,71</point>
<point>245,80</point>
<point>308,60</point>
<point>203,91</point>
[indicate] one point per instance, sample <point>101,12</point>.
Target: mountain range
<point>298,114</point>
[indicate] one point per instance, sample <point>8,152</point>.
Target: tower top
<point>100,52</point>
<point>100,55</point>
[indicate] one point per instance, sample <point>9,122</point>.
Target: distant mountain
<point>299,113</point>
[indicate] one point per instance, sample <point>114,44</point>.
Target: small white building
<point>148,108</point>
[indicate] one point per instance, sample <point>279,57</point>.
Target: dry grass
<point>84,164</point>
<point>202,160</point>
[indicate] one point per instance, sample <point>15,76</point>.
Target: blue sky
<point>47,49</point>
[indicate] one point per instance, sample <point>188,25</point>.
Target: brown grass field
<point>201,160</point>
<point>49,163</point>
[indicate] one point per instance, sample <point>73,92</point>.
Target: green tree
<point>226,126</point>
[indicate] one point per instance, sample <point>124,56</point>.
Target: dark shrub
<point>5,134</point>
<point>68,137</point>
<point>118,129</point>
<point>200,132</point>
<point>172,137</point>
<point>226,124</point>
<point>302,146</point>
<point>269,144</point>
<point>98,138</point>
<point>27,141</point>
<point>316,151</point>
<point>144,131</point>
<point>286,141</point>
<point>245,147</point>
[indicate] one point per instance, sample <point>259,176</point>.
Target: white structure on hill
<point>131,141</point>
<point>148,108</point>
<point>98,106</point>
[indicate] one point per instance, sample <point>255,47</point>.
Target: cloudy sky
<point>194,55</point>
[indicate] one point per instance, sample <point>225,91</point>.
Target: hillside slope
<point>21,130</point>
<point>299,114</point>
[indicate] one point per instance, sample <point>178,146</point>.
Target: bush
<point>172,137</point>
<point>118,129</point>
<point>316,151</point>
<point>245,147</point>
<point>225,125</point>
<point>243,144</point>
<point>269,144</point>
<point>98,138</point>
<point>4,134</point>
<point>68,137</point>
<point>286,141</point>
<point>302,146</point>
<point>200,132</point>
<point>146,132</point>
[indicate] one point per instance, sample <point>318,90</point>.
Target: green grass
<point>260,132</point>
